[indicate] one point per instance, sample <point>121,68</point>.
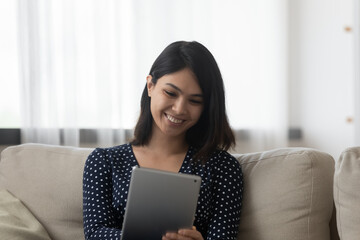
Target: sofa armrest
<point>347,193</point>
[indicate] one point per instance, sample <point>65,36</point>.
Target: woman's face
<point>176,102</point>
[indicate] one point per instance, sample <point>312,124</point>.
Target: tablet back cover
<point>159,202</point>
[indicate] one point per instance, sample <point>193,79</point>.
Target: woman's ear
<point>149,84</point>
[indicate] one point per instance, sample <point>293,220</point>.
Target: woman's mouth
<point>173,119</point>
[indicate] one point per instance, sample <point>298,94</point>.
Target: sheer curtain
<point>84,64</point>
<point>357,72</point>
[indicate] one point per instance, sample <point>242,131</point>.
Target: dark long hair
<point>212,131</point>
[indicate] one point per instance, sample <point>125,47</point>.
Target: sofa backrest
<point>287,195</point>
<point>287,192</point>
<point>48,181</point>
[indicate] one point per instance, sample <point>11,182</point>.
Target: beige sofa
<point>288,194</point>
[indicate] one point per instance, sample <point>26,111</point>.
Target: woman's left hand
<point>183,234</point>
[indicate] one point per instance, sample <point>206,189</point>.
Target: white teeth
<point>173,120</point>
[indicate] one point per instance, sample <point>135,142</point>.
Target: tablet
<point>159,202</point>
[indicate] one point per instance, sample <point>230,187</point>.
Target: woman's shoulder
<point>115,159</point>
<point>226,167</point>
<point>114,149</point>
<point>111,152</point>
<point>221,159</point>
<point>223,155</point>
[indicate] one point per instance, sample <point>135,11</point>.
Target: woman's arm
<point>99,215</point>
<point>228,191</point>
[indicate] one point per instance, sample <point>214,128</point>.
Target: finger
<point>190,233</point>
<point>166,238</point>
<point>175,236</point>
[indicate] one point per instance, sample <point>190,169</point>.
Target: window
<point>9,70</point>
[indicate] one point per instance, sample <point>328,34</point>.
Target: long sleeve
<point>100,219</point>
<point>227,201</point>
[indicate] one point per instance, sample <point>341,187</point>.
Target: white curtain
<point>84,64</point>
<point>357,73</point>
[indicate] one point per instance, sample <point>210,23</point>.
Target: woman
<point>182,127</point>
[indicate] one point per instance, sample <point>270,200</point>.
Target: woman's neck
<point>162,153</point>
<point>167,145</point>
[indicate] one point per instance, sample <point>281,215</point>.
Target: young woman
<point>182,127</point>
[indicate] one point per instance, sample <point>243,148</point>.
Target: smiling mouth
<point>173,119</point>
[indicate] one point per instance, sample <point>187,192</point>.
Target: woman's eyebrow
<point>173,86</point>
<point>178,89</point>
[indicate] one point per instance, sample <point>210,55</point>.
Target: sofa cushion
<point>347,194</point>
<point>287,195</point>
<point>48,180</point>
<point>17,222</point>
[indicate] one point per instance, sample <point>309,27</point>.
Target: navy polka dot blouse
<point>106,182</point>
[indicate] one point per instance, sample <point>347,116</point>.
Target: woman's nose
<point>179,106</point>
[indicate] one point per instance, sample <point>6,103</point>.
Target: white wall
<point>322,73</point>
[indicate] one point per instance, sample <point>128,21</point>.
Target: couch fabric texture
<point>17,222</point>
<point>48,180</point>
<point>287,190</point>
<point>288,193</point>
<point>347,194</point>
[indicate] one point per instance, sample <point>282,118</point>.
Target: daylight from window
<point>9,71</point>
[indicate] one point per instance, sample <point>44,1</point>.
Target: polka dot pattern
<point>106,182</point>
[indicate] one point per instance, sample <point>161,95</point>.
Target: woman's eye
<point>196,101</point>
<point>171,94</point>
